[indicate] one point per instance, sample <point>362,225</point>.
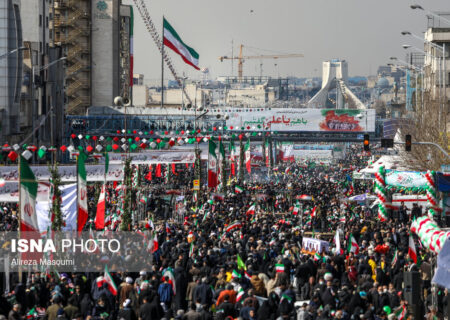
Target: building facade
<point>95,37</point>
<point>437,59</point>
<point>10,68</point>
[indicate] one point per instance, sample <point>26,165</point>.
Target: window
<point>46,22</point>
<point>40,46</point>
<point>40,20</point>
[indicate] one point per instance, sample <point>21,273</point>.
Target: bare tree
<point>427,125</point>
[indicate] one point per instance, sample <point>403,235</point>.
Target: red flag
<point>158,170</point>
<point>100,217</point>
<point>412,249</point>
<point>174,171</point>
<point>187,165</point>
<point>149,174</point>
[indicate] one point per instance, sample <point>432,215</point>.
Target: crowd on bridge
<point>241,256</point>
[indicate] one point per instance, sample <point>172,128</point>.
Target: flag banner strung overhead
<point>172,40</point>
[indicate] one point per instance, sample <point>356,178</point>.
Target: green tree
<point>126,214</point>
<point>57,218</point>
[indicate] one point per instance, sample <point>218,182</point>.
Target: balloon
<point>387,309</point>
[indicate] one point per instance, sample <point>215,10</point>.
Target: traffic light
<point>366,143</point>
<point>408,142</point>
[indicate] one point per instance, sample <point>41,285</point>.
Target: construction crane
<point>241,58</point>
<point>142,8</point>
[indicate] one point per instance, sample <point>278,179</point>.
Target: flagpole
<point>162,66</point>
<point>78,193</point>
<point>19,216</point>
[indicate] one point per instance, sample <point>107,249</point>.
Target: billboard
<point>307,120</point>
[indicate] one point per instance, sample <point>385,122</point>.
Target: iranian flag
<point>168,274</point>
<point>172,40</point>
<point>109,280</point>
<point>317,257</point>
<point>235,275</point>
<point>314,212</point>
<point>212,165</point>
<point>238,189</point>
<point>279,267</point>
<point>143,199</point>
<point>296,210</point>
<point>401,313</point>
<point>155,244</point>
<point>100,281</point>
<point>352,245</point>
<point>232,158</point>
<point>100,216</point>
<point>234,225</point>
<point>338,244</point>
<point>394,259</point>
<point>101,205</point>
<point>412,249</point>
<point>28,192</point>
<point>267,154</point>
<point>82,192</point>
<point>248,156</point>
<point>251,210</point>
<point>240,294</point>
<point>191,250</point>
<point>222,157</point>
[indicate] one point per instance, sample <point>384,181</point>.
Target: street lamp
<point>11,52</point>
<point>33,88</point>
<point>418,7</point>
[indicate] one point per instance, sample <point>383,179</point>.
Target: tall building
<point>71,29</point>
<point>95,37</point>
<point>10,67</point>
<point>437,69</point>
<point>43,72</point>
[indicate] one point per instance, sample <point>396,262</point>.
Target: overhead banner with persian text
<point>312,120</point>
<point>154,157</point>
<point>406,179</point>
<point>67,173</point>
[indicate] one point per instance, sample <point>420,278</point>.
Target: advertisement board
<point>309,120</point>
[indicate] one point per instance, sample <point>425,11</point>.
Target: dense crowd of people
<point>230,262</point>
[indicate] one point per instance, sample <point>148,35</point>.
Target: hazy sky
<point>365,33</point>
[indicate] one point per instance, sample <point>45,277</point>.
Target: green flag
<point>240,263</point>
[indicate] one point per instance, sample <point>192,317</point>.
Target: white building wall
<point>103,52</point>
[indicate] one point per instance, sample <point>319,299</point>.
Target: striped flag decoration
<point>109,280</point>
<point>279,267</point>
<point>168,273</point>
<point>235,275</point>
<point>240,294</point>
<point>234,225</point>
<point>352,245</point>
<point>395,258</point>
